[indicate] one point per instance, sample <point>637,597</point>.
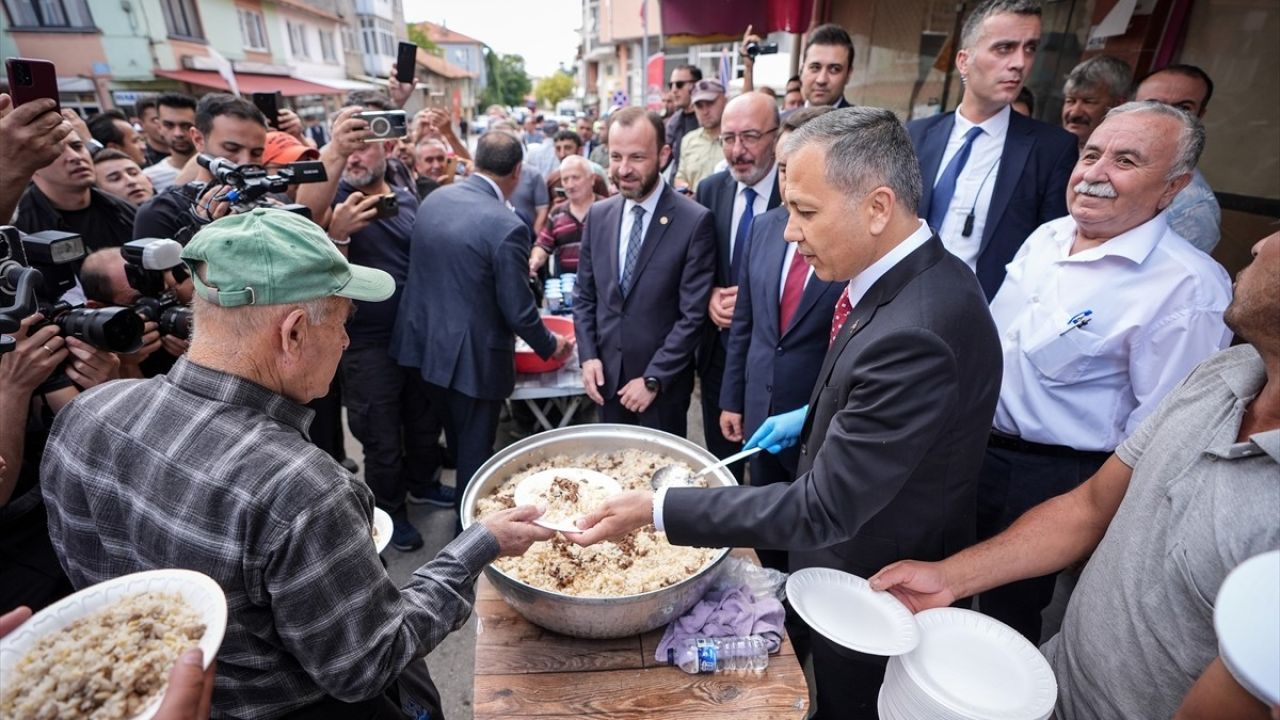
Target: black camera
<point>251,183</point>
<point>145,263</point>
<point>388,206</point>
<point>36,271</point>
<point>754,48</point>
<point>385,124</point>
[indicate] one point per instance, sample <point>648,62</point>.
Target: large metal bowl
<point>594,617</point>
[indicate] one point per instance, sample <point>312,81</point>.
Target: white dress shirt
<point>764,190</point>
<point>650,204</point>
<point>787,259</point>
<point>1157,307</point>
<point>858,287</point>
<point>974,186</point>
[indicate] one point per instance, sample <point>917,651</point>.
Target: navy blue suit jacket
<point>467,295</point>
<point>1030,189</point>
<point>769,370</point>
<point>654,330</point>
<point>717,193</point>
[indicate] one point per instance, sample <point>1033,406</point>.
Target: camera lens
<point>176,321</point>
<point>118,329</point>
<point>380,126</point>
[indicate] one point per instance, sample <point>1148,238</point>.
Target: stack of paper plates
<point>944,664</point>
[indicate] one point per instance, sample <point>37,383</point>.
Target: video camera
<point>250,183</point>
<point>35,272</point>
<point>755,49</point>
<point>145,263</point>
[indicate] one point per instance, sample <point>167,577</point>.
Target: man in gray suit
<point>897,423</point>
<point>644,278</point>
<point>467,297</point>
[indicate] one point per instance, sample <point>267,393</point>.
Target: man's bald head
<point>747,130</point>
<point>103,279</point>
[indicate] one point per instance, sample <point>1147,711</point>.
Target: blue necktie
<point>940,201</point>
<point>744,231</point>
<point>634,240</point>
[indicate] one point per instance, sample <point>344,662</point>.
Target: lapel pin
<point>662,220</point>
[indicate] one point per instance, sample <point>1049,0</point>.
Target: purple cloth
<point>731,612</point>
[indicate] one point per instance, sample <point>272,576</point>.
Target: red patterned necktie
<point>792,291</point>
<point>843,308</point>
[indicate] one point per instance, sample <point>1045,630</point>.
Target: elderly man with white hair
<point>1102,313</point>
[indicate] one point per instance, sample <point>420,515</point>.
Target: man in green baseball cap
<point>209,468</point>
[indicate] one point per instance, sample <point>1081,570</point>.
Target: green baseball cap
<point>275,257</point>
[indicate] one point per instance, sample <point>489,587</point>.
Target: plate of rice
<point>106,651</point>
<point>566,494</point>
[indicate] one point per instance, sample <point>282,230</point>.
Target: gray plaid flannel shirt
<point>207,471</point>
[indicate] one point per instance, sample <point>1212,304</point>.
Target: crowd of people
<point>978,348</point>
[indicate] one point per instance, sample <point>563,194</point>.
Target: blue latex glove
<point>779,432</point>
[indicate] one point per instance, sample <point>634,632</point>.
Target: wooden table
<point>524,671</point>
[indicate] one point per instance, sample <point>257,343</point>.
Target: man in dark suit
<point>991,175</point>
<point>467,297</point>
<point>735,196</point>
<point>827,65</point>
<point>899,417</point>
<point>780,333</point>
<point>644,275</point>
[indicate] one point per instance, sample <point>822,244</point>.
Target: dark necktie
<point>634,240</point>
<point>744,231</point>
<point>843,308</point>
<point>945,189</point>
<point>792,291</point>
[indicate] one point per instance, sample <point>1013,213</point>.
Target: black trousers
<point>711,378</point>
<point>1011,483</point>
<point>471,426</point>
<point>396,424</point>
<point>412,695</point>
<point>667,413</point>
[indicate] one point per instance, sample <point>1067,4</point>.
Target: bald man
<point>746,189</point>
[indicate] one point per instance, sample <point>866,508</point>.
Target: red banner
<point>655,79</point>
<point>731,17</point>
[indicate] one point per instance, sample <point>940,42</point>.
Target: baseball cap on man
<point>707,90</point>
<point>283,148</point>
<point>275,257</point>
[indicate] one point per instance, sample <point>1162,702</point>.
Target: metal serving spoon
<point>679,476</point>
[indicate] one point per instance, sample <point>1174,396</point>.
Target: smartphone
<point>560,193</point>
<point>388,206</point>
<point>406,62</point>
<point>269,103</point>
<point>31,80</point>
<point>385,124</point>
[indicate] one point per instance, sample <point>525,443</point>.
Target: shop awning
<point>250,83</point>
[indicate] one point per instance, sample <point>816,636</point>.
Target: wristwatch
<point>652,384</point>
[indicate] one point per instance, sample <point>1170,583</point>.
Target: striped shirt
<point>204,470</point>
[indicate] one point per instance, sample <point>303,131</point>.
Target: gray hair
<point>1101,71</point>
<point>865,148</point>
<point>973,24</point>
<point>248,320</point>
<point>1190,139</point>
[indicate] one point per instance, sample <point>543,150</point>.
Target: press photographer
<point>43,366</point>
<point>227,127</point>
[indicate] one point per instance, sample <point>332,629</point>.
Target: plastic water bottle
<point>707,655</point>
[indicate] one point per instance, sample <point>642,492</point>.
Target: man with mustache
<point>735,196</point>
<point>1103,313</point>
<point>645,270</point>
<point>992,176</point>
<point>1184,500</point>
<point>1091,89</point>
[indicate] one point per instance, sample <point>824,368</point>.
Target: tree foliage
<point>419,38</point>
<point>508,81</point>
<point>554,88</point>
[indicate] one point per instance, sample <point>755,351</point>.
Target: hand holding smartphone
<point>31,80</point>
<point>269,104</point>
<point>406,62</point>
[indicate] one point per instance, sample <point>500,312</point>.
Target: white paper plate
<point>978,667</point>
<point>530,491</point>
<point>844,609</point>
<point>382,529</point>
<point>197,589</point>
<point>1248,625</point>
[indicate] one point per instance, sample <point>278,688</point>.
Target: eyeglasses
<point>678,84</point>
<point>748,137</point>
